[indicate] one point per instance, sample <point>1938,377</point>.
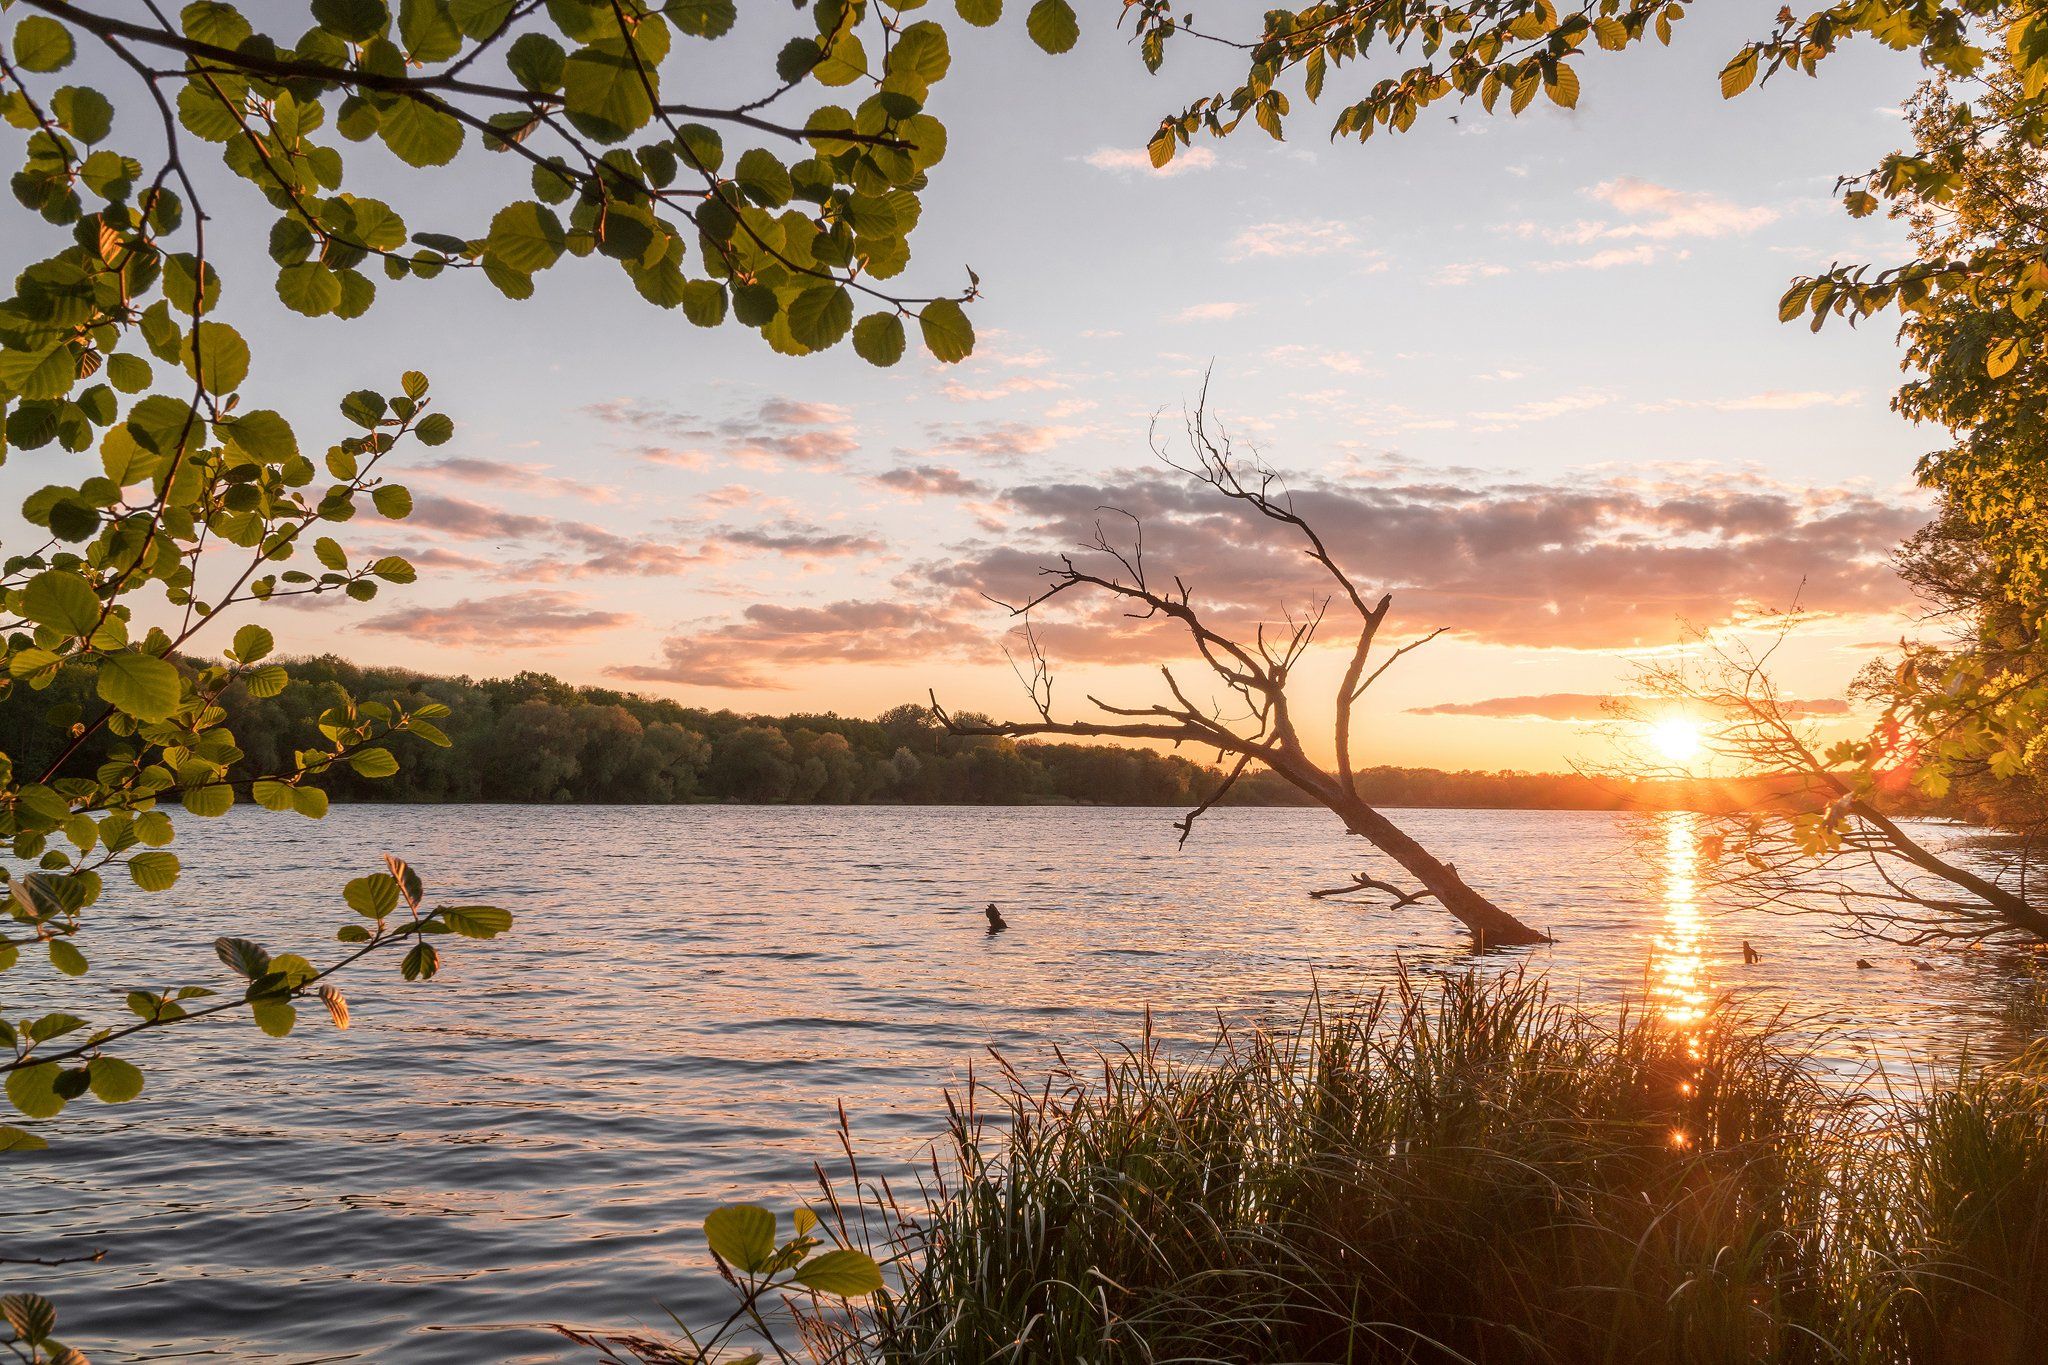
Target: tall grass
<point>1467,1171</point>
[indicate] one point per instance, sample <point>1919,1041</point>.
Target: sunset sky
<point>1526,373</point>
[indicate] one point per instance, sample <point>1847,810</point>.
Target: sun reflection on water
<point>1679,986</point>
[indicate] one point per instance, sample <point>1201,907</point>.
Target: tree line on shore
<point>534,738</point>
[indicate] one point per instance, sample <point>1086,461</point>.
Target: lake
<point>690,992</point>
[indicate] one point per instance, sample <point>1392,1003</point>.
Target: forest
<point>534,738</point>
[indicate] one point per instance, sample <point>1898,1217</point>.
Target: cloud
<point>918,482</point>
<point>1210,312</point>
<point>1591,706</point>
<point>1662,213</point>
<point>1611,561</point>
<point>1593,563</point>
<point>997,440</point>
<point>1654,218</point>
<point>754,651</point>
<point>520,478</point>
<point>789,412</point>
<point>1002,388</point>
<point>466,520</point>
<point>1293,237</point>
<point>1465,272</point>
<point>513,620</point>
<point>1128,159</point>
<point>778,432</point>
<point>1770,400</point>
<point>603,552</point>
<point>1653,213</point>
<point>804,542</point>
<point>1579,706</point>
<point>1542,409</point>
<point>1343,362</point>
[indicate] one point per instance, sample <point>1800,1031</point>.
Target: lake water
<point>690,992</point>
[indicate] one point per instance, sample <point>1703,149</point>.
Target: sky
<point>1526,374</point>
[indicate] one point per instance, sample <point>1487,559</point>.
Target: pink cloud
<point>523,478</point>
<point>753,651</point>
<point>514,620</point>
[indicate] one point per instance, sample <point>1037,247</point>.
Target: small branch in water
<point>1361,882</point>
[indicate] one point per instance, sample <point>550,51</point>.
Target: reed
<point>1467,1170</point>
<point>1471,1170</point>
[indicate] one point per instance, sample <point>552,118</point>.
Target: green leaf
<point>45,372</point>
<point>329,552</point>
<point>242,956</point>
<point>219,360</point>
<point>42,44</point>
<point>480,18</point>
<point>742,1234</point>
<point>271,794</point>
<point>878,339</point>
<point>2000,359</point>
<point>274,1017</point>
<point>704,302</point>
<point>33,1091</point>
<point>355,20</point>
<point>820,315</point>
<point>209,800</point>
<point>84,111</point>
<point>54,1026</point>
<point>845,63</point>
<point>373,762</point>
<point>1052,25</point>
<point>535,61</point>
<point>139,684</point>
<point>393,501</point>
<point>526,236</point>
<point>476,921</point>
<point>66,958</point>
<point>113,1081</point>
<point>62,601</point>
<point>266,681</point>
<point>948,335</point>
<point>980,13</point>
<point>310,288</point>
<point>420,963</point>
<point>763,178</point>
<point>419,135</point>
<point>154,871</point>
<point>262,435</point>
<point>701,18</point>
<point>842,1273</point>
<point>13,1139</point>
<point>604,94</point>
<point>252,642</point>
<point>128,373</point>
<point>374,896</point>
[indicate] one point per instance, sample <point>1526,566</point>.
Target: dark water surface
<point>688,994</point>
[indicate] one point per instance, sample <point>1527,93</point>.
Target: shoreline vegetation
<point>535,739</point>
<point>1461,1170</point>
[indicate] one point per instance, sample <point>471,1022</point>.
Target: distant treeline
<point>535,738</point>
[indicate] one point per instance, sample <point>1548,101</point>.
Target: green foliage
<point>585,99</point>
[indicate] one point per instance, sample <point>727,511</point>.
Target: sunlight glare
<point>1676,738</point>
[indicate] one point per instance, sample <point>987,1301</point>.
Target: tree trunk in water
<point>1491,926</point>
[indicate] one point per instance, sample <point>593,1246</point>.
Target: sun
<point>1676,738</point>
